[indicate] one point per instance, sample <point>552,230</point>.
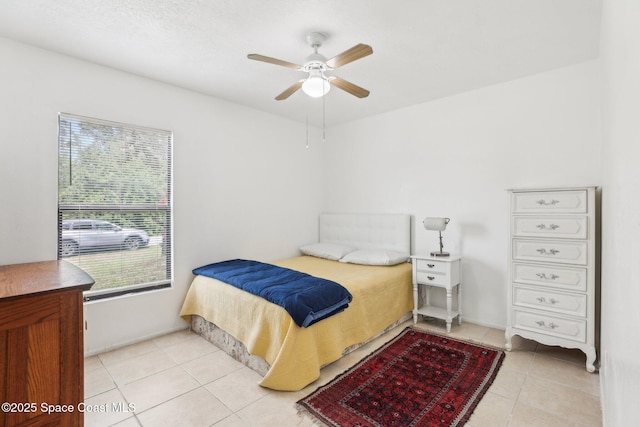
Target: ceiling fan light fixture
<point>316,85</point>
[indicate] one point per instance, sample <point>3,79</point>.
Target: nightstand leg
<point>415,303</point>
<point>459,304</point>
<point>449,301</point>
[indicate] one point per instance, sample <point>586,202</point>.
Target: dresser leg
<point>591,358</point>
<point>508,335</point>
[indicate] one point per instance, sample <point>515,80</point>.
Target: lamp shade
<point>435,224</point>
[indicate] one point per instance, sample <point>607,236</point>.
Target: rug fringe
<point>457,338</point>
<point>304,412</point>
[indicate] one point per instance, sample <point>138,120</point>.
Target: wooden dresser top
<point>45,276</point>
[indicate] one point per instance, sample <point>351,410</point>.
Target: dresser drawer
<point>573,201</point>
<point>433,279</point>
<point>563,303</point>
<point>567,278</point>
<point>550,251</point>
<point>570,329</point>
<point>574,227</point>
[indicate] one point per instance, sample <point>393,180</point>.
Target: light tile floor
<point>181,379</point>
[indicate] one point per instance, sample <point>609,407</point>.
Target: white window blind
<point>114,203</point>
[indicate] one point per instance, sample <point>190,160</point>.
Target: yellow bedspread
<point>381,296</point>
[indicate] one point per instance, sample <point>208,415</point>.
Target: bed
<point>263,335</point>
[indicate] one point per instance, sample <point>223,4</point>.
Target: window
<point>114,204</point>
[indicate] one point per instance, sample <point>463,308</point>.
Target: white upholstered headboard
<point>367,231</point>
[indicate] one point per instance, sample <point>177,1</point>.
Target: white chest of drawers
<point>552,268</point>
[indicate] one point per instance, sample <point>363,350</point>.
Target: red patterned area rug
<point>416,379</point>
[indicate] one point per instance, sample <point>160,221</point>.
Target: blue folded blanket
<point>306,298</point>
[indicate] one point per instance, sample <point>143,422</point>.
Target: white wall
<point>244,184</point>
<point>620,370</point>
<point>456,157</point>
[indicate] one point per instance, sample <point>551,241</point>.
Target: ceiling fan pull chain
<point>307,123</point>
<point>324,82</point>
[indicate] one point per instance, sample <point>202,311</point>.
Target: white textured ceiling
<point>423,49</point>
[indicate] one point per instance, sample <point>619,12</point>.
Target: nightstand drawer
<point>574,201</point>
<point>574,227</point>
<point>550,251</point>
<point>434,279</point>
<point>431,266</point>
<point>564,303</point>
<point>568,278</point>
<point>574,330</point>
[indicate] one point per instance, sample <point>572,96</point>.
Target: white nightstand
<point>441,272</point>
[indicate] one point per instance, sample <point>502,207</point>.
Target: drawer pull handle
<point>545,226</point>
<point>543,202</point>
<point>551,325</point>
<point>431,265</point>
<point>431,277</point>
<point>550,277</point>
<point>549,252</point>
<point>552,301</point>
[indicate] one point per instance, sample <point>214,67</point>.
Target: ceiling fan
<point>317,84</point>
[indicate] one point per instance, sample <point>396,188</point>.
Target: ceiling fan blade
<point>349,87</point>
<point>275,61</point>
<point>290,90</point>
<point>350,55</point>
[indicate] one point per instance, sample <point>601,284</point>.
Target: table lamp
<point>439,225</point>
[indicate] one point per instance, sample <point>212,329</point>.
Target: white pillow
<point>375,257</point>
<point>332,251</point>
